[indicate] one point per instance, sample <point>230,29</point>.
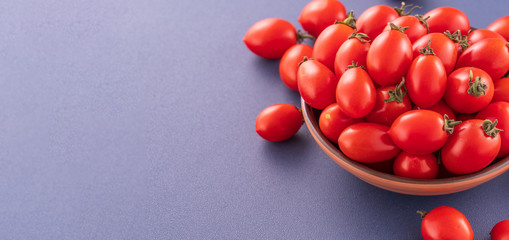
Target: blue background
<point>135,120</point>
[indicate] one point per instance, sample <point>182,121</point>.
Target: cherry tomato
<point>480,34</point>
<point>374,19</point>
<point>391,101</point>
<point>445,222</point>
<point>367,143</point>
<point>389,57</point>
<point>416,166</point>
<point>472,146</point>
<point>447,18</point>
<point>270,38</point>
<point>278,122</point>
<point>355,93</point>
<point>500,231</point>
<point>442,108</point>
<point>501,90</point>
<point>354,49</point>
<point>468,90</point>
<point>498,111</point>
<point>420,131</point>
<point>443,46</point>
<point>490,55</point>
<point>289,64</point>
<point>501,26</point>
<point>328,42</point>
<point>333,121</point>
<point>426,79</point>
<point>417,26</point>
<point>317,15</point>
<point>317,84</point>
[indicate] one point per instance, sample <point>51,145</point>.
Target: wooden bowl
<point>392,182</point>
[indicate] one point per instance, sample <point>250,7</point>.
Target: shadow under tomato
<point>291,153</point>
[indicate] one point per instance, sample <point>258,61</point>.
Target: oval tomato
<point>501,26</point>
<point>391,101</point>
<point>417,26</point>
<point>389,57</point>
<point>447,19</point>
<point>289,64</point>
<point>375,19</point>
<point>480,34</point>
<point>490,55</point>
<point>500,231</point>
<point>355,93</point>
<point>445,222</point>
<point>442,108</point>
<point>354,49</point>
<point>317,15</point>
<point>270,38</point>
<point>278,122</point>
<point>501,90</point>
<point>367,143</point>
<point>317,84</point>
<point>443,46</point>
<point>333,121</point>
<point>416,166</point>
<point>468,90</point>
<point>498,111</point>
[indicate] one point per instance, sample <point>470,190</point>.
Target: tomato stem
<point>458,38</point>
<point>395,27</point>
<point>305,59</point>
<point>301,36</point>
<point>397,94</point>
<point>424,21</point>
<point>449,125</point>
<point>476,87</point>
<point>360,36</point>
<point>489,127</point>
<point>427,50</point>
<point>422,213</point>
<point>349,21</point>
<point>355,65</point>
<point>401,10</point>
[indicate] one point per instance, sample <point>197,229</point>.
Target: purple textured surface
<point>135,120</point>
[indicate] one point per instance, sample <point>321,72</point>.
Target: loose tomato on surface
<point>472,146</point>
<point>289,64</point>
<point>278,122</point>
<point>328,42</point>
<point>417,26</point>
<point>443,47</point>
<point>367,143</point>
<point>445,222</point>
<point>426,79</point>
<point>375,19</point>
<point>317,83</point>
<point>416,166</point>
<point>317,15</point>
<point>355,92</point>
<point>501,26</point>
<point>501,90</point>
<point>500,231</point>
<point>391,101</point>
<point>442,108</point>
<point>468,90</point>
<point>389,56</point>
<point>498,111</point>
<point>480,34</point>
<point>490,55</point>
<point>355,49</point>
<point>333,121</point>
<point>447,19</point>
<point>270,38</point>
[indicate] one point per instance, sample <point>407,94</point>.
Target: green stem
<point>395,27</point>
<point>354,65</point>
<point>424,21</point>
<point>427,50</point>
<point>361,36</point>
<point>476,87</point>
<point>349,21</point>
<point>422,213</point>
<point>301,36</point>
<point>449,125</point>
<point>489,127</point>
<point>397,94</point>
<point>305,59</point>
<point>401,10</point>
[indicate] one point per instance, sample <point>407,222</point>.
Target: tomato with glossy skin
<point>443,46</point>
<point>468,90</point>
<point>498,111</point>
<point>270,38</point>
<point>442,108</point>
<point>447,19</point>
<point>416,166</point>
<point>417,26</point>
<point>480,34</point>
<point>490,55</point>
<point>367,143</point>
<point>501,26</point>
<point>355,93</point>
<point>389,57</point>
<point>278,122</point>
<point>374,19</point>
<point>445,222</point>
<point>289,64</point>
<point>501,90</point>
<point>391,101</point>
<point>317,84</point>
<point>500,231</point>
<point>333,121</point>
<point>355,49</point>
<point>317,15</point>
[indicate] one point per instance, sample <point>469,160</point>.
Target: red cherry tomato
<point>355,93</point>
<point>391,101</point>
<point>289,64</point>
<point>317,15</point>
<point>278,122</point>
<point>420,131</point>
<point>473,145</point>
<point>480,34</point>
<point>448,19</point>
<point>375,19</point>
<point>490,55</point>
<point>333,121</point>
<point>417,26</point>
<point>389,57</point>
<point>500,231</point>
<point>367,143</point>
<point>271,37</point>
<point>498,111</point>
<point>354,49</point>
<point>317,84</point>
<point>416,166</point>
<point>445,222</point>
<point>501,26</point>
<point>468,90</point>
<point>426,79</point>
<point>443,46</point>
<point>442,108</point>
<point>501,90</point>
